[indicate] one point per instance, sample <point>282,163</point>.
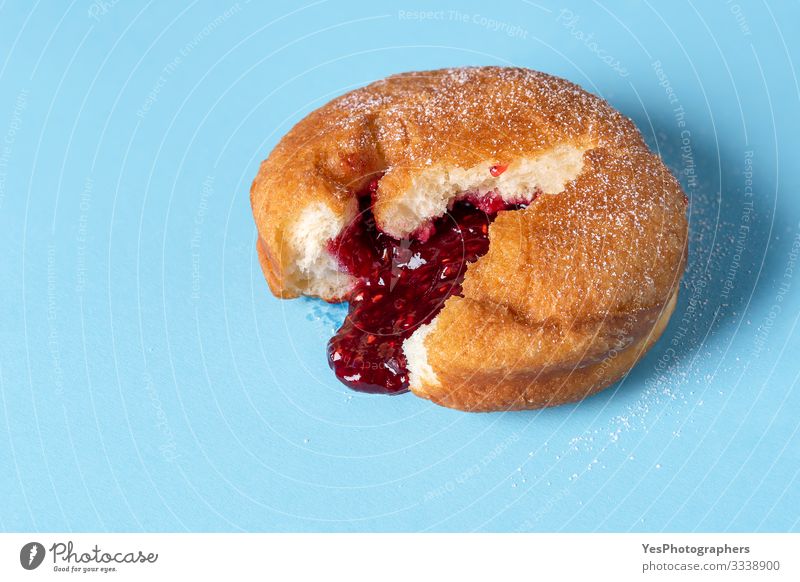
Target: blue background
<point>149,381</point>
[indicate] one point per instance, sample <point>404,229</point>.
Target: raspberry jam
<point>402,284</point>
<point>497,169</point>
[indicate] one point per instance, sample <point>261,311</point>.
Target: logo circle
<point>31,555</point>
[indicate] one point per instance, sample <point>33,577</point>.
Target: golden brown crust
<point>517,386</point>
<point>576,276</point>
<point>267,266</point>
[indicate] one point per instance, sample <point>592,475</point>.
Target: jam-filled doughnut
<point>505,239</point>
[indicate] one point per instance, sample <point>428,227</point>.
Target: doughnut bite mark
<point>402,284</point>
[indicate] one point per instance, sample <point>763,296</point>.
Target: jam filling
<point>402,284</point>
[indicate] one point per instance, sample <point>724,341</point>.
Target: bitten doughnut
<point>505,239</point>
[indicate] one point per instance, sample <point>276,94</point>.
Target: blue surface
<point>149,381</point>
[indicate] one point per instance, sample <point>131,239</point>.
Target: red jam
<point>498,169</point>
<point>402,284</point>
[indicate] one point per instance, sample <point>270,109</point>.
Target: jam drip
<point>402,284</point>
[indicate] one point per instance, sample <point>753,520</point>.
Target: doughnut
<point>505,239</point>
